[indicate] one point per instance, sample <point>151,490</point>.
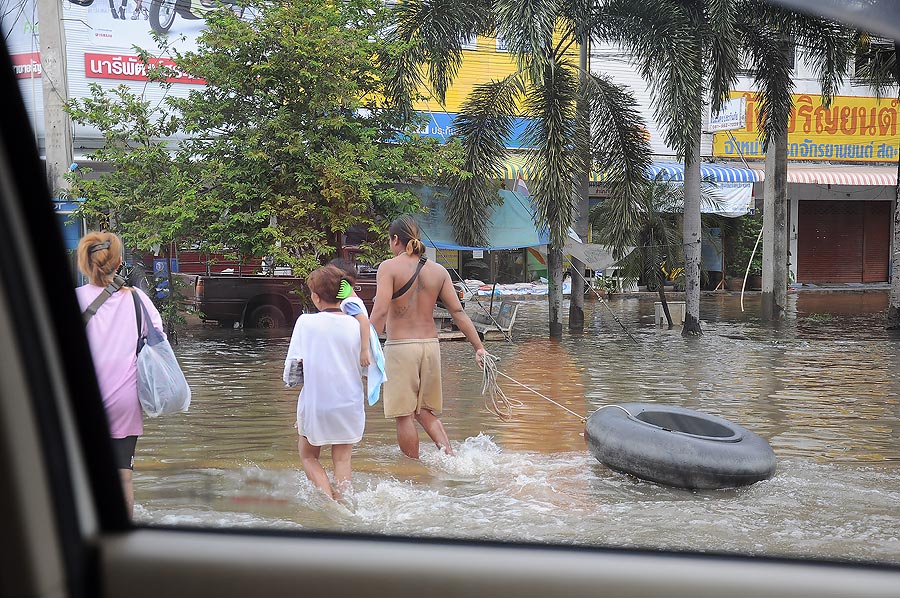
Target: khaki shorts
<point>413,368</point>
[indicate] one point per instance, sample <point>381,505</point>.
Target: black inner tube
<point>687,424</point>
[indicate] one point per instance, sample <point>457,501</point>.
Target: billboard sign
<point>733,115</point>
<point>851,129</point>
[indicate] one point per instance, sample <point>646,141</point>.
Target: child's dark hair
<point>347,267</point>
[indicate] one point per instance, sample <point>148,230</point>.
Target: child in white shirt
<point>331,407</point>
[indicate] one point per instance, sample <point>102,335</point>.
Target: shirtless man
<point>408,289</point>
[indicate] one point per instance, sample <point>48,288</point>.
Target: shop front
<point>840,223</point>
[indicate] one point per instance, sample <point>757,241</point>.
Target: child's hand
<point>364,359</point>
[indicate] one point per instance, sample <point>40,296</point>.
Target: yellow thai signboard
<point>448,258</point>
<point>852,129</point>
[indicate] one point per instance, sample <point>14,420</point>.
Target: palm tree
<point>686,51</point>
<point>546,88</point>
<point>880,70</point>
<point>655,33</point>
<point>652,237</point>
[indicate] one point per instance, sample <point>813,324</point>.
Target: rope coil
<point>495,400</point>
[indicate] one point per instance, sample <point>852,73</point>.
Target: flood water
<point>822,387</point>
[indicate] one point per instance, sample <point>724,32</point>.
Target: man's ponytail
<point>407,230</point>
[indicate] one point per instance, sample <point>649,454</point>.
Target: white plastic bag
<point>162,387</point>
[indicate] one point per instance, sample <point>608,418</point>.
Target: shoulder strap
<point>137,316</point>
<point>114,286</point>
<point>409,283</point>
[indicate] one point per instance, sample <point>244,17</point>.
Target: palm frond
<point>665,45</point>
<point>431,34</point>
<point>577,17</point>
<point>619,149</point>
<point>724,57</point>
<point>877,64</point>
<point>770,69</point>
<point>527,27</point>
<point>826,47</point>
<point>485,122</point>
<point>556,161</point>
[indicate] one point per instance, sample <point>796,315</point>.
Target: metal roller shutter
<point>877,249</point>
<point>843,241</point>
<point>829,241</point>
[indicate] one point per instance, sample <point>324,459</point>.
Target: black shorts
<point>123,451</point>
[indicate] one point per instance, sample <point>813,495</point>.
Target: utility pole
<point>55,85</point>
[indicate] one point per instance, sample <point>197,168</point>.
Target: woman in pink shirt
<point>113,336</point>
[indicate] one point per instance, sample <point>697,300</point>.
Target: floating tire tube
<point>678,447</point>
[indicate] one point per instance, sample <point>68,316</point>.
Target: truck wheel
<point>266,316</point>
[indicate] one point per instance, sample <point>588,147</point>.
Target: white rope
<point>496,400</point>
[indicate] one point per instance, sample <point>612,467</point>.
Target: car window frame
<point>108,555</point>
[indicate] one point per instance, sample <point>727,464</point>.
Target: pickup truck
<point>256,301</point>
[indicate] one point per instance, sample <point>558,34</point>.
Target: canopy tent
<point>510,226</point>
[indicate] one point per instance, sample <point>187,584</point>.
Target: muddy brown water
<point>822,387</point>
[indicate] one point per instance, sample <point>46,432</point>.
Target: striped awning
<point>871,176</point>
<point>674,171</point>
<point>667,171</point>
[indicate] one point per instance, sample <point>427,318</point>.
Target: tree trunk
<point>554,292</point>
<point>576,299</point>
<point>168,321</point>
<point>661,278</point>
<point>691,237</point>
<point>775,259</point>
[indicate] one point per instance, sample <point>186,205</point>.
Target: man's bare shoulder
<point>437,270</point>
<point>388,266</point>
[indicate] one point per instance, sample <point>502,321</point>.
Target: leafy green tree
<point>293,142</point>
<point>147,197</point>
<point>286,147</point>
<point>879,68</point>
<point>545,88</point>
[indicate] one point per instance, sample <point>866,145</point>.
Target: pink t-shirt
<point>112,335</point>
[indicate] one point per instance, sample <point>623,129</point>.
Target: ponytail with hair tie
<point>415,247</point>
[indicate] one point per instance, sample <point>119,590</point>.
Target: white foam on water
<point>487,492</point>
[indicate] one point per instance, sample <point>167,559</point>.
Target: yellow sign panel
<point>852,129</point>
<point>448,258</point>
